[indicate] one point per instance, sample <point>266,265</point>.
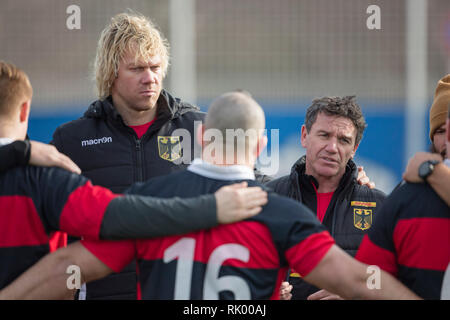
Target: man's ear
<point>25,111</point>
<point>354,150</point>
<point>200,132</point>
<point>304,132</point>
<point>262,143</point>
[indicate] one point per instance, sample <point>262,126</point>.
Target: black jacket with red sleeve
<point>35,201</point>
<point>411,240</point>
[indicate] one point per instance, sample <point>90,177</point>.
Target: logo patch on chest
<point>90,142</point>
<point>169,147</point>
<point>362,218</point>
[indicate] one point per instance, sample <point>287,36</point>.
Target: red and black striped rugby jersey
<point>411,239</point>
<point>35,201</point>
<point>244,260</point>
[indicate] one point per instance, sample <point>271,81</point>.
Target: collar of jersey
<point>235,172</point>
<point>5,141</point>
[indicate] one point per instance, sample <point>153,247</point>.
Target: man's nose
<point>331,146</point>
<point>149,76</point>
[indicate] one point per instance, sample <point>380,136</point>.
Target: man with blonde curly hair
<point>126,136</point>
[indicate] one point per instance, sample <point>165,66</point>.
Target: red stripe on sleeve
<point>371,254</point>
<point>58,240</point>
<point>20,223</point>
<point>253,236</point>
<point>83,212</point>
<point>305,256</point>
<point>115,254</point>
<point>423,243</point>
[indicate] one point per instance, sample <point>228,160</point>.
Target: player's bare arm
<point>48,278</point>
<point>339,273</point>
<point>47,155</point>
<point>439,179</point>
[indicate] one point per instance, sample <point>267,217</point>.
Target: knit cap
<point>438,111</point>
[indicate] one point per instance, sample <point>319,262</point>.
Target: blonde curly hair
<point>126,31</point>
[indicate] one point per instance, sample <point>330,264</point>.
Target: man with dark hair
<point>325,179</point>
<point>411,237</point>
<point>244,260</point>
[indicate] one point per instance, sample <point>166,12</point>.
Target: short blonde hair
<point>15,88</point>
<point>126,31</point>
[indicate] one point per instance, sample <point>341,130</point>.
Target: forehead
<point>333,123</point>
<point>131,57</point>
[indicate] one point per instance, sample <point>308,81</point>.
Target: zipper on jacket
<point>140,174</point>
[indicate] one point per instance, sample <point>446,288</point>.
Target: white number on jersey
<point>184,250</point>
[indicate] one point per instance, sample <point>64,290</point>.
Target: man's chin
<point>144,105</point>
<point>328,172</point>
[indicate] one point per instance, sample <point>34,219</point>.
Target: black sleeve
<point>14,154</point>
<point>56,140</point>
<point>135,216</point>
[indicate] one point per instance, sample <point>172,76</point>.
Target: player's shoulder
<point>75,125</point>
<point>366,192</point>
<point>36,171</point>
<point>286,210</point>
<point>410,192</point>
<point>280,185</point>
<point>156,185</point>
<point>73,132</point>
<point>25,178</point>
<point>411,200</point>
<point>277,200</point>
<point>187,117</point>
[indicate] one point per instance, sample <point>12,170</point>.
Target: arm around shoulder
<point>439,180</point>
<point>14,154</point>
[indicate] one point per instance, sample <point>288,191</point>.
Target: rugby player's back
<point>244,260</point>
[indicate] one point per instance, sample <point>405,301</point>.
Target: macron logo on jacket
<point>91,142</point>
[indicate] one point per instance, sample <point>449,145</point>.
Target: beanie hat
<point>438,111</point>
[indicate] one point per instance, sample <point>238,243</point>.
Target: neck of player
<point>326,184</point>
<point>227,159</point>
<point>10,130</point>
